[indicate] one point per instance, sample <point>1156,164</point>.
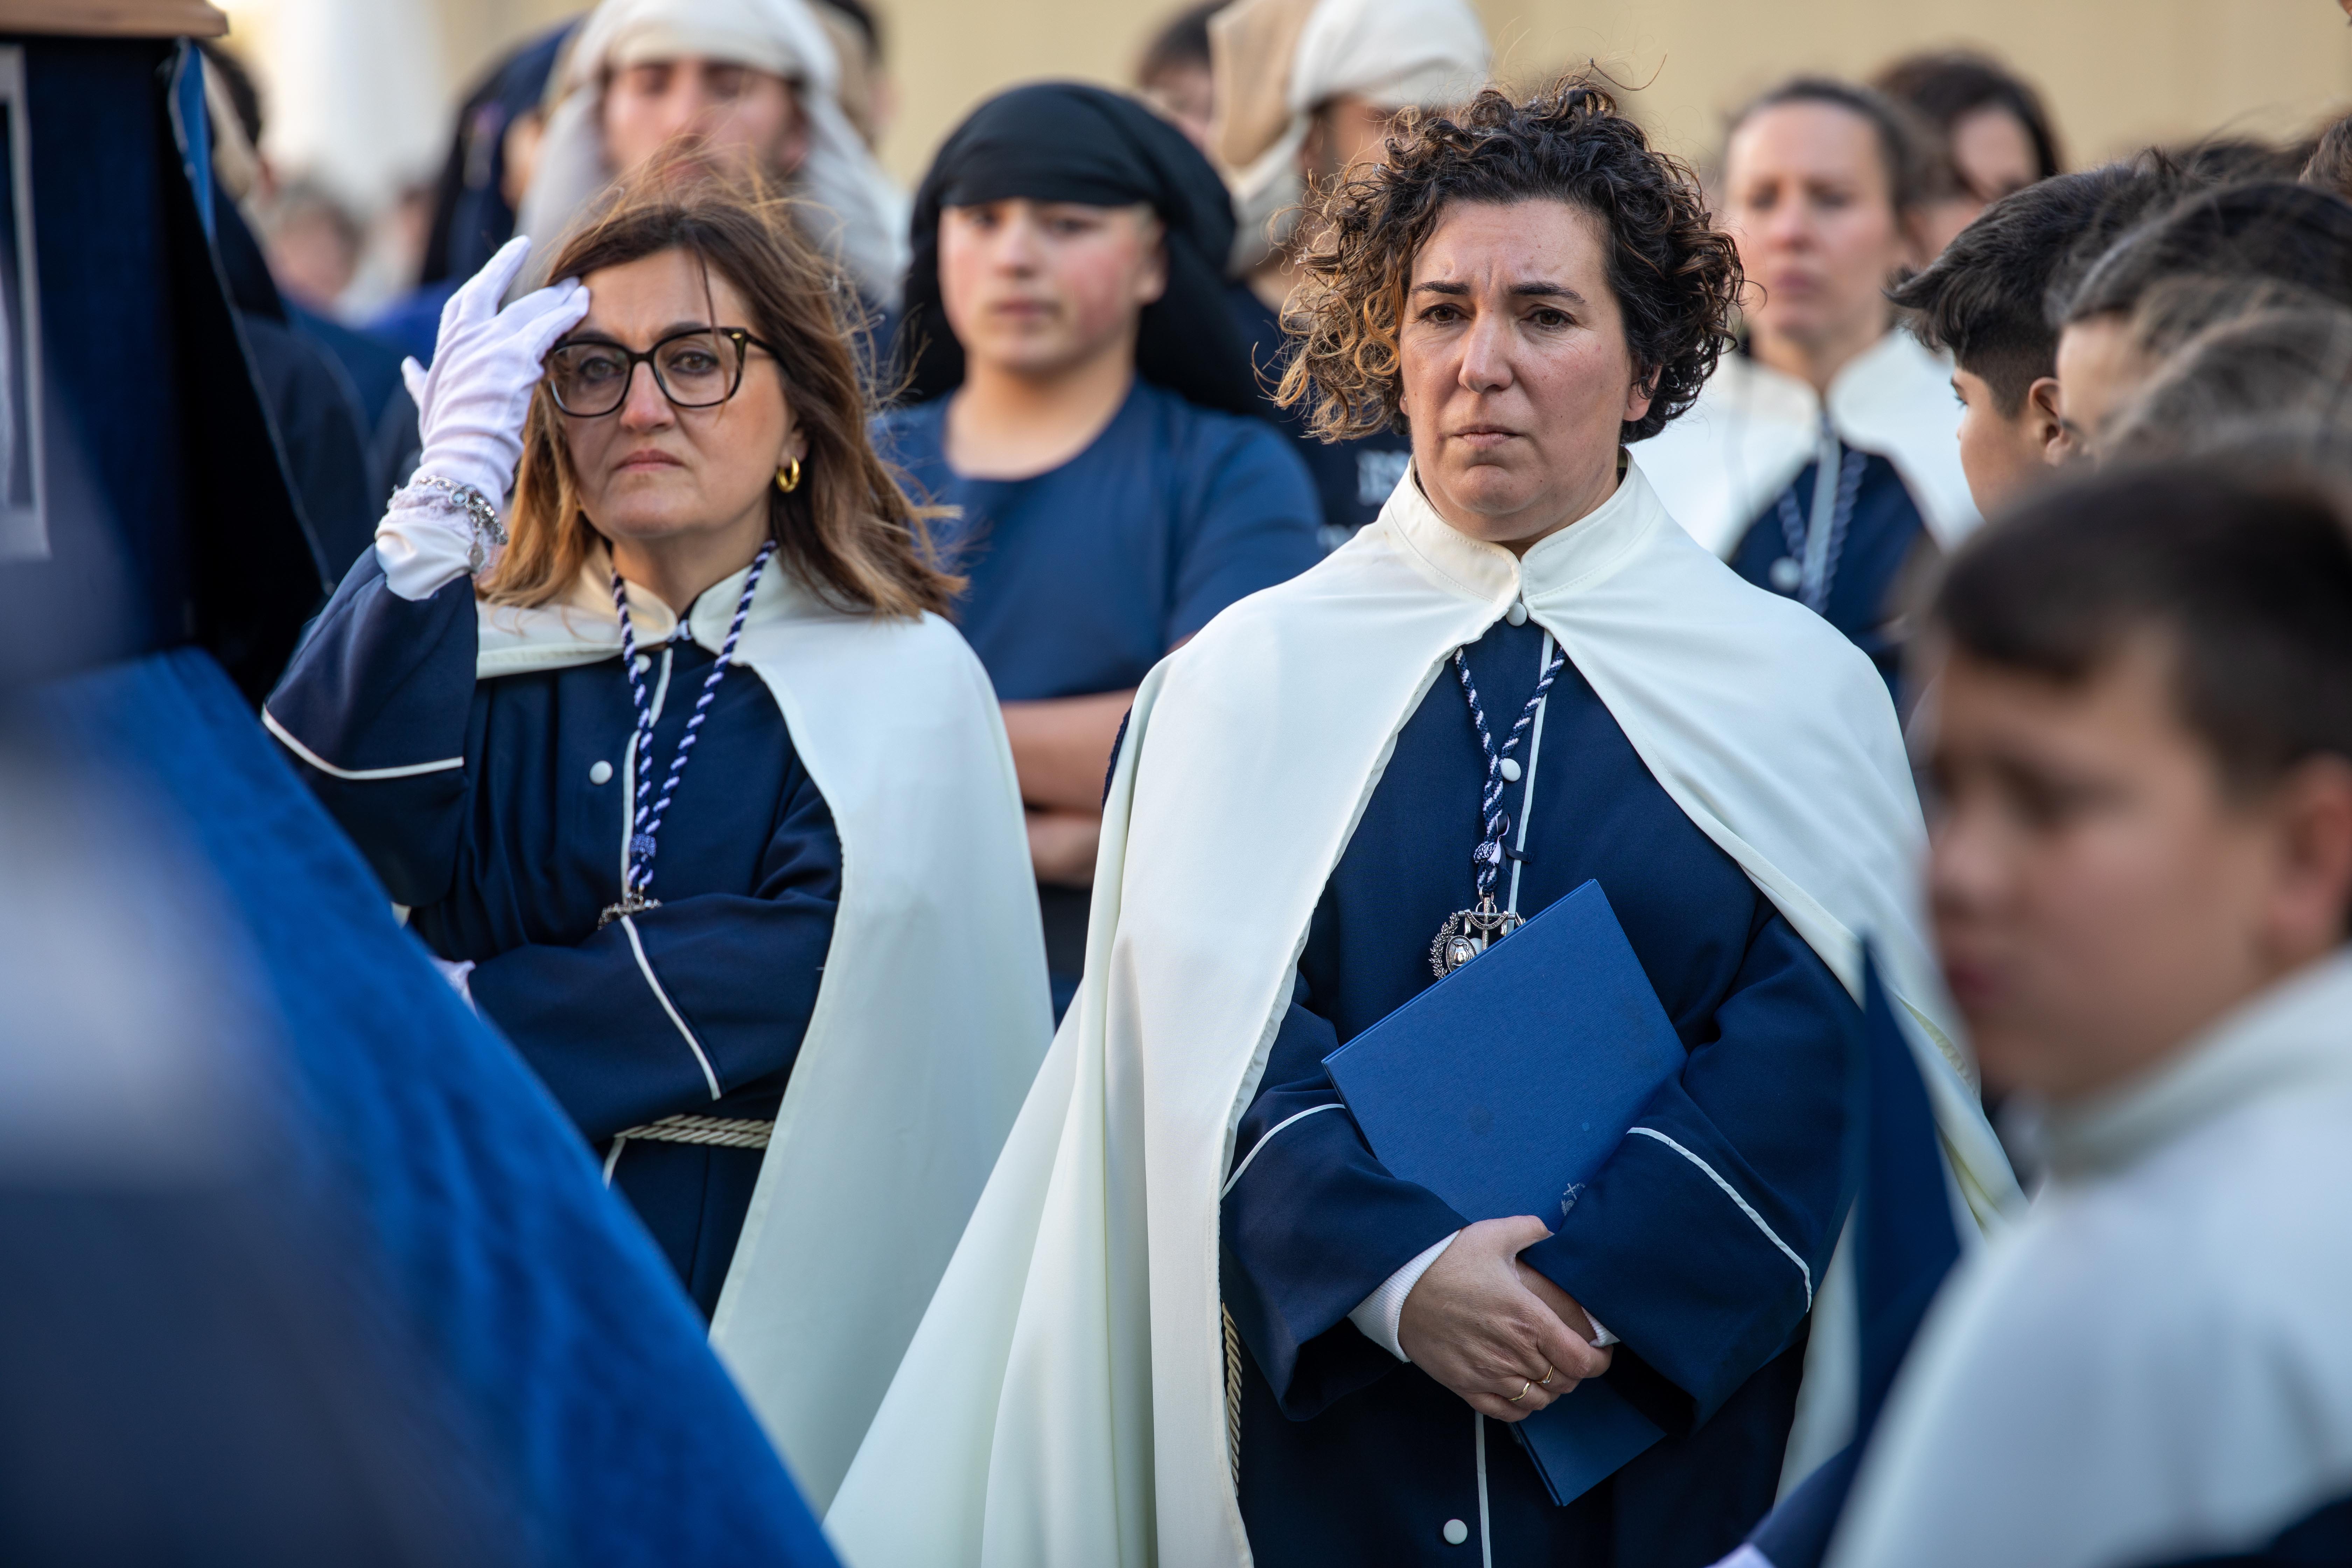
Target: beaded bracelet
<point>453,497</point>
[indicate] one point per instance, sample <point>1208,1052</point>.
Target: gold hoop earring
<point>788,478</point>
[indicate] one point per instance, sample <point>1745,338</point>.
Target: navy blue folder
<point>1503,1088</point>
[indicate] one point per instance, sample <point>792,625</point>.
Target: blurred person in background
<point>345,425</point>
<point>752,84</point>
<point>2274,372</point>
<point>1305,92</point>
<point>2141,762</point>
<point>1821,460</point>
<point>482,183</point>
<point>2330,164</point>
<point>2296,235</point>
<point>619,850</point>
<point>864,92</point>
<point>1079,394</point>
<point>2177,313</point>
<point>1983,301</point>
<point>1996,135</point>
<point>313,246</point>
<point>1174,73</point>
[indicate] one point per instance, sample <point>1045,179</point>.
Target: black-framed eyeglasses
<point>697,369</point>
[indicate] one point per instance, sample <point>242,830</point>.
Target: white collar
<point>1754,429</point>
<point>1582,552</point>
<point>2289,1036</point>
<point>581,625</point>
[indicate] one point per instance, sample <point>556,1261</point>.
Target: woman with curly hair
<point>689,788</point>
<point>1195,1319</point>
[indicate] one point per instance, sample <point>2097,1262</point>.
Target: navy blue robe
<point>1348,1455</point>
<point>1872,563</point>
<point>508,862</point>
<point>1081,578</point>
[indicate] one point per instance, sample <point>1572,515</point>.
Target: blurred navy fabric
<point>594,1423</point>
<point>1905,1239</point>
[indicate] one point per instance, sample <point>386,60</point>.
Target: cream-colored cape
<point>2152,1364</point>
<point>934,1011</point>
<point>1063,1404</point>
<point>1754,429</point>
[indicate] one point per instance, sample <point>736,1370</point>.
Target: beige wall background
<point>2118,73</point>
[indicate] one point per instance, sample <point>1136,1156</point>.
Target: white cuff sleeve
<point>1378,1313</point>
<point>1600,1336</point>
<point>422,549</point>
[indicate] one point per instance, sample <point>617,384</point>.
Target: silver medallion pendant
<point>1467,933</point>
<point>633,902</point>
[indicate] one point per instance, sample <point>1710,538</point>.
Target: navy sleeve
<point>1311,1224</point>
<point>1702,1240</point>
<point>664,1011</point>
<point>1253,517</point>
<point>373,708</point>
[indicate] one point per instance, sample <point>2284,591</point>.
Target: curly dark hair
<point>1675,276</point>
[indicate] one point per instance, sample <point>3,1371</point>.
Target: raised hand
<point>470,405</point>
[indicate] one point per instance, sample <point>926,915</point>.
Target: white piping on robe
<point>1293,1116</point>
<point>1733,1193</point>
<point>269,722</point>
<point>629,924</point>
<point>1486,1539</point>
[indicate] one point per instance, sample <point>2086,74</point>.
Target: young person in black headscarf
<point>1079,390</point>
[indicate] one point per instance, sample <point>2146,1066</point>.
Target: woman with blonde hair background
<point>768,937</point>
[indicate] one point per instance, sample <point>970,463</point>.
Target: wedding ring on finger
<point>1549,1372</point>
<point>1525,1385</point>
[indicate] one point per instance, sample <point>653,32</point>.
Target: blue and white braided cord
<point>1815,596</point>
<point>1488,857</point>
<point>644,824</point>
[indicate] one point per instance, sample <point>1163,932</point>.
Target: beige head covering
<point>1277,61</point>
<point>840,175</point>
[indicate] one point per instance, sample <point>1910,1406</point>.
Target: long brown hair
<point>847,530</point>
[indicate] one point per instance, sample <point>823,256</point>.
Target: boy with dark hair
<point>2292,234</point>
<point>2140,876</point>
<point>1983,302</point>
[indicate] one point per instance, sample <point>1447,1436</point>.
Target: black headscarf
<point>1065,142</point>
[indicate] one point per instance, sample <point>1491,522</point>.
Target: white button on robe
<point>1455,1532</point>
<point>1510,770</point>
<point>600,773</point>
<point>1517,613</point>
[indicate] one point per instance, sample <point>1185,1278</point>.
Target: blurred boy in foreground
<point>2142,869</point>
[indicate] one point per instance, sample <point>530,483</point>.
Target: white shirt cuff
<point>1600,1336</point>
<point>1377,1315</point>
<point>423,550</point>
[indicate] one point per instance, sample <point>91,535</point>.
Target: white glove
<point>486,363</point>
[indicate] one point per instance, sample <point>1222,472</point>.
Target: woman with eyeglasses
<point>682,779</point>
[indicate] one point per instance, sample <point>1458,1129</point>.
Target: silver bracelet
<point>448,494</point>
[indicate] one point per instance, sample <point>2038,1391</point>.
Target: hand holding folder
<point>1503,1088</point>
